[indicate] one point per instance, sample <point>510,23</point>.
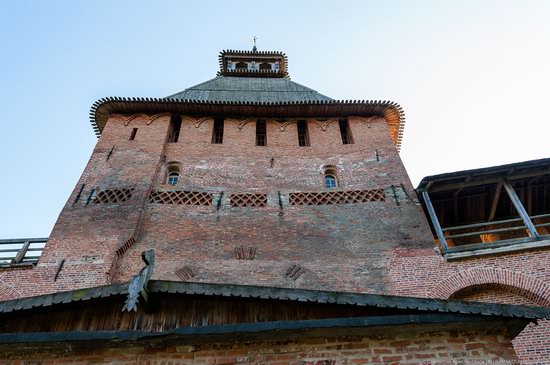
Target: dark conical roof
<point>249,89</point>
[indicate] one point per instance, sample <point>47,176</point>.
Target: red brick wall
<point>378,247</point>
<point>414,349</point>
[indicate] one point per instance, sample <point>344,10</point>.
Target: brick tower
<point>246,185</point>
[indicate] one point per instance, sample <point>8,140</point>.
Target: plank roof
<point>249,89</point>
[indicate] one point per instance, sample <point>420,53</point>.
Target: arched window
<point>173,173</point>
<point>241,66</point>
<point>265,66</point>
<point>330,181</point>
<point>330,177</point>
<point>173,178</point>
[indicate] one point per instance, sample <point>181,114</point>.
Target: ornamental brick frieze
<point>127,119</point>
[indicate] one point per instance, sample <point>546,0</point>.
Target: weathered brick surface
<point>377,247</point>
<point>435,348</point>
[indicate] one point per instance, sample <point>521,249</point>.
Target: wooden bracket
<point>137,290</point>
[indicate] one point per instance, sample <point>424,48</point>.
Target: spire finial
<point>254,49</point>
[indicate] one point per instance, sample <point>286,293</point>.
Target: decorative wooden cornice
<point>370,110</point>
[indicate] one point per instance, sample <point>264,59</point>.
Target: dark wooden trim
<point>240,330</point>
<point>435,221</point>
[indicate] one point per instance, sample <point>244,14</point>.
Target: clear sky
<point>472,76</point>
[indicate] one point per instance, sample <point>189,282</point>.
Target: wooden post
<point>434,219</point>
<point>520,209</point>
<point>21,254</point>
<point>495,201</point>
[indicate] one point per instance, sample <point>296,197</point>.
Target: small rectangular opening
<point>175,127</point>
<point>92,195</point>
<point>217,132</point>
<point>345,131</point>
<point>133,134</point>
<point>261,133</point>
<point>303,137</point>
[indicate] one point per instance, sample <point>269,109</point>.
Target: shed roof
<point>282,294</point>
<point>484,175</point>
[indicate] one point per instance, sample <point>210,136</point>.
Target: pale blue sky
<point>472,76</point>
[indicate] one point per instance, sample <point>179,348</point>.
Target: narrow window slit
<point>217,131</point>
<point>91,196</point>
<point>175,127</point>
<point>79,194</point>
<point>133,134</point>
<point>110,153</point>
<point>261,133</point>
<point>345,131</point>
<point>303,137</point>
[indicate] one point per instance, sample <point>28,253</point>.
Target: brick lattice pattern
<point>110,196</point>
<point>337,197</point>
<point>181,197</point>
<point>248,200</point>
<point>185,273</point>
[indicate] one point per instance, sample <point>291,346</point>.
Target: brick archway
<point>531,288</point>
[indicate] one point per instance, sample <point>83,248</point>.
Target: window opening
<point>173,174</point>
<point>79,194</point>
<point>133,134</point>
<point>265,66</point>
<point>330,181</point>
<point>175,127</point>
<point>241,66</point>
<point>345,131</point>
<point>303,138</point>
<point>91,196</point>
<point>173,178</point>
<point>217,132</point>
<point>261,133</point>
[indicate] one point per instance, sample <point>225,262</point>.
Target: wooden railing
<point>21,251</point>
<point>503,229</point>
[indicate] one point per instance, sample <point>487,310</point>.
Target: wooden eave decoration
<point>390,111</point>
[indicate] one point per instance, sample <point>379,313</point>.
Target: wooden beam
<point>530,195</point>
<point>520,209</point>
<point>495,201</point>
<point>434,219</point>
<point>455,205</point>
<point>21,254</point>
<point>441,186</point>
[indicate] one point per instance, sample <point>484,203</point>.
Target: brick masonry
<point>429,348</point>
<point>382,247</point>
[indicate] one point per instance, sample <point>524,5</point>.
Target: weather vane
<point>254,49</point>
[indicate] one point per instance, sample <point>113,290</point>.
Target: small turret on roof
<point>253,64</point>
